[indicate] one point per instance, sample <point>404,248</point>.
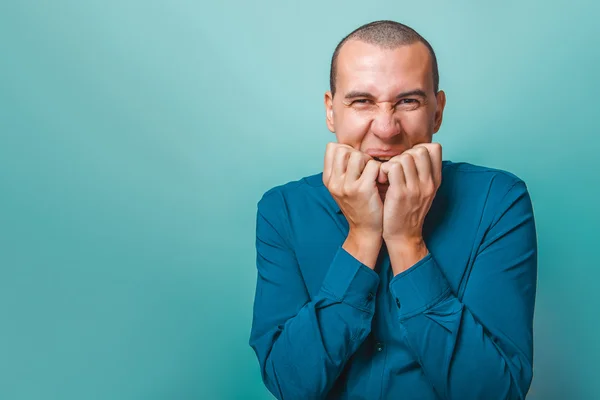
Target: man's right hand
<point>350,176</point>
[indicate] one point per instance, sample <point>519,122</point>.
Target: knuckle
<point>348,190</point>
<point>396,167</point>
<point>355,155</point>
<point>406,157</point>
<point>334,188</point>
<point>330,147</point>
<point>429,189</point>
<point>375,165</point>
<point>421,151</point>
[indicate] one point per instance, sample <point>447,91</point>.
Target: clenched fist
<point>414,178</point>
<point>350,176</point>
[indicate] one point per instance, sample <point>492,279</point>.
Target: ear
<point>439,111</point>
<point>329,111</point>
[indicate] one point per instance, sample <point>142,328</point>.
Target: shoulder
<point>289,193</point>
<point>490,189</point>
<point>479,176</point>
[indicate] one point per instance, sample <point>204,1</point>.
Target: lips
<point>382,155</point>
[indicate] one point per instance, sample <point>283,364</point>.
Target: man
<point>393,274</point>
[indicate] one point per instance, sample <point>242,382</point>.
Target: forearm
<point>461,357</point>
<point>308,353</point>
<point>303,356</point>
<point>475,340</point>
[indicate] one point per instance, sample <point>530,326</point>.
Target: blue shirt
<point>456,325</point>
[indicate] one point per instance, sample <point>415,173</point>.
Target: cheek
<point>354,125</point>
<point>416,123</point>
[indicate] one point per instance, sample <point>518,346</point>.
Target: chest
<point>451,235</point>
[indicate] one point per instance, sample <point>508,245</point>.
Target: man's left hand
<point>414,178</point>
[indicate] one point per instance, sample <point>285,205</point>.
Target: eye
<point>408,103</point>
<point>361,101</point>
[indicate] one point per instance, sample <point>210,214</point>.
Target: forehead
<point>378,69</point>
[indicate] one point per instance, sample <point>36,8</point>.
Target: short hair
<point>386,34</point>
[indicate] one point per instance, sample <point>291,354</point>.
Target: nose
<point>385,124</point>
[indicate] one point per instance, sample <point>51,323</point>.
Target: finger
<point>340,162</point>
<point>410,171</point>
<point>370,172</point>
<point>396,176</point>
<point>387,167</point>
<point>422,159</point>
<point>356,163</point>
<point>435,152</point>
<point>328,162</point>
<point>435,155</point>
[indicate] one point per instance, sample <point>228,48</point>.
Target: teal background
<point>138,136</point>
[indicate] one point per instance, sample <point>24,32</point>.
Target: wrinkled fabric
<point>456,325</point>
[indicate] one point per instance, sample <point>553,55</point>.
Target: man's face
<point>384,98</point>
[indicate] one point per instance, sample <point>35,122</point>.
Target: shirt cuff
<point>350,281</point>
<point>419,288</point>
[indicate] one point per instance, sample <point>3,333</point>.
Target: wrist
<point>405,242</point>
<point>363,246</point>
<point>406,252</point>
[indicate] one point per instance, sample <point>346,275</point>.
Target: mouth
<point>382,159</point>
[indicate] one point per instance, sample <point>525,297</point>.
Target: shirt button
<point>370,296</point>
<point>379,346</point>
<point>398,303</point>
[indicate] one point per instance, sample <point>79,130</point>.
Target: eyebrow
<point>355,94</point>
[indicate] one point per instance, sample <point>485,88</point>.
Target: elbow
<point>288,380</point>
<point>519,379</point>
<point>523,383</point>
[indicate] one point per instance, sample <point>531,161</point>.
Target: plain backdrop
<point>136,138</point>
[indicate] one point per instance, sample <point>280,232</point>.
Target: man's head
<point>384,89</point>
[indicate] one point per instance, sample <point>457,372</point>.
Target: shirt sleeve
<point>481,345</point>
<point>303,343</point>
